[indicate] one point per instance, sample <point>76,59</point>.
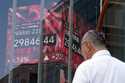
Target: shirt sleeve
<point>81,75</point>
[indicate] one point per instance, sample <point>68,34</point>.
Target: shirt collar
<point>101,52</point>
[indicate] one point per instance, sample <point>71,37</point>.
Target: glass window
<point>114,28</point>
<point>43,38</point>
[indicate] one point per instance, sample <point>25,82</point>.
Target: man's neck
<point>96,50</point>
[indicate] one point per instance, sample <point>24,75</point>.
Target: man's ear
<point>88,45</point>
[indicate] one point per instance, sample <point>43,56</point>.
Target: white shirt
<point>101,68</point>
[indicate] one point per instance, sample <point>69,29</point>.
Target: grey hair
<point>98,39</point>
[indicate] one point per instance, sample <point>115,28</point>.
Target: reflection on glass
<point>56,38</point>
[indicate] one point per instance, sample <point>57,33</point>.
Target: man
<point>100,66</point>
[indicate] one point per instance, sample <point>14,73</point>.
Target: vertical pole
<point>10,78</point>
<point>70,41</point>
<point>99,26</point>
<point>39,79</point>
<point>98,10</point>
<point>101,2</point>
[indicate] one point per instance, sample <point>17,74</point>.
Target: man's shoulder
<point>85,64</point>
<point>117,61</point>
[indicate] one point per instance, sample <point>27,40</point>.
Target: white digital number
<point>16,43</point>
<point>37,41</point>
<point>45,41</point>
<point>32,42</point>
<point>51,39</point>
<point>21,42</point>
<point>27,43</point>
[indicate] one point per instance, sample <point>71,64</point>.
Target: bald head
<point>95,37</point>
<point>92,41</point>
